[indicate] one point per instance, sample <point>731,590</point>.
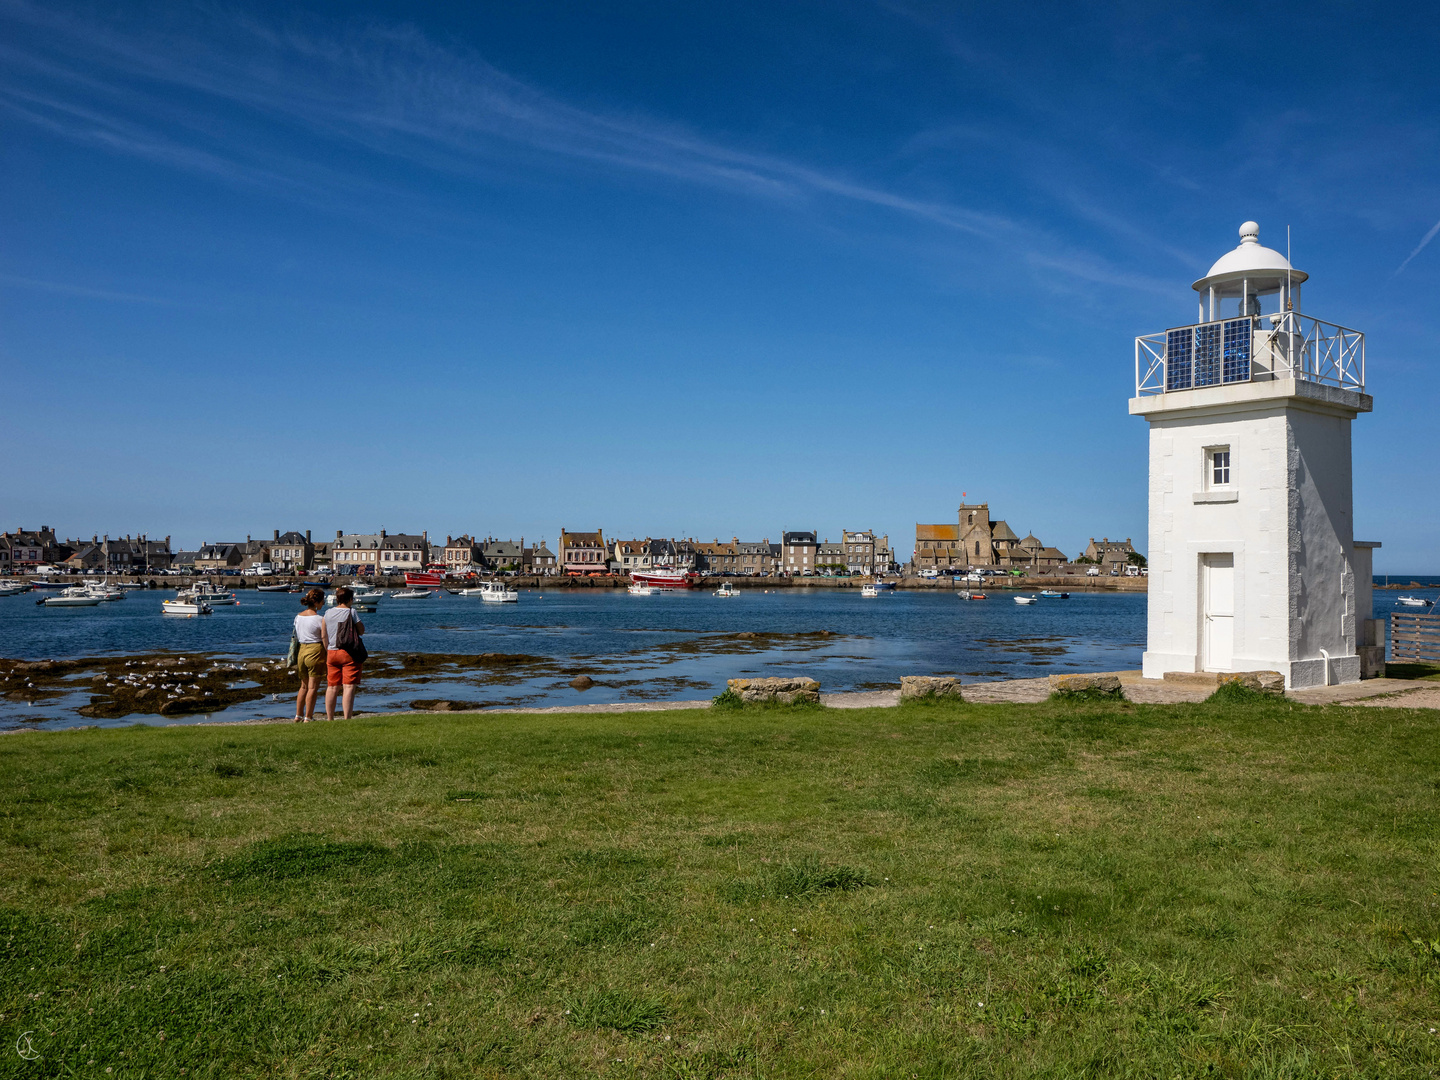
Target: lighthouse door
<point>1219,628</point>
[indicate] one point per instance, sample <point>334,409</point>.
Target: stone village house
<point>539,560</point>
<point>583,552</point>
<point>1110,553</point>
<point>797,553</point>
<point>381,553</point>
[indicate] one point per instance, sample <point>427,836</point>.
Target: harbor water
<point>668,646</point>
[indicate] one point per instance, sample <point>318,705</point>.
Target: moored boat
<point>1414,601</point>
<point>869,590</point>
<point>412,594</point>
<point>209,592</point>
<point>365,597</point>
<point>666,577</point>
<point>638,589</point>
<point>181,606</point>
<point>274,588</point>
<point>74,596</point>
<point>726,589</point>
<point>493,592</point>
<point>1026,600</point>
<point>416,580</point>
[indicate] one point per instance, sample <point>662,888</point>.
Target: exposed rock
<point>1087,685</point>
<point>188,703</point>
<point>914,687</point>
<point>582,682</point>
<point>440,705</point>
<point>1265,682</point>
<point>780,691</point>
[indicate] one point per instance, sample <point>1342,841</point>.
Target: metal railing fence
<point>1286,345</point>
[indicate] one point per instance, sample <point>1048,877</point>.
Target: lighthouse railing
<point>1314,350</point>
<point>1285,345</point>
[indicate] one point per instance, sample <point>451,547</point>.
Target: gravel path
<point>1383,693</point>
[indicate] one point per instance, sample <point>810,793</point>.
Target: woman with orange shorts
<point>342,671</point>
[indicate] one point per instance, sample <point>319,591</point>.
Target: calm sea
<point>662,647</point>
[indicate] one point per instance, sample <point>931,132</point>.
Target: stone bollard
<point>1086,685</point>
<point>776,691</point>
<point>917,687</point>
<point>1264,682</point>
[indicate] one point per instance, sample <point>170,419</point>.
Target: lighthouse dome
<point>1265,269</point>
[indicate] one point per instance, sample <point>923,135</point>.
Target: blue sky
<point>701,269</point>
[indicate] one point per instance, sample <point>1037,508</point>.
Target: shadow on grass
<point>1412,671</point>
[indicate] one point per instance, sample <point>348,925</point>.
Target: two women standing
<point>330,644</point>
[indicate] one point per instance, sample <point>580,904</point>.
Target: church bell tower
<point>1253,560</point>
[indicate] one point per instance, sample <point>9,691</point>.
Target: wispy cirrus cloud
<point>68,289</point>
<point>254,104</point>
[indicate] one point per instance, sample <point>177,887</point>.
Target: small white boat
<point>496,592</point>
<point>185,607</point>
<point>13,588</point>
<point>273,588</point>
<point>1026,600</point>
<point>366,597</point>
<point>869,590</point>
<point>409,594</point>
<point>74,596</point>
<point>209,592</point>
<point>641,589</point>
<point>726,589</point>
<point>1414,601</point>
<point>105,592</point>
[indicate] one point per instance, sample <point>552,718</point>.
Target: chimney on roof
<point>339,533</point>
<point>307,536</point>
<point>382,534</point>
<point>277,534</point>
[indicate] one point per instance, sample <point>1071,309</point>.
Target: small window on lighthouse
<point>1218,466</point>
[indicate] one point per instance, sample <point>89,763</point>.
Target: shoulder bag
<point>349,639</point>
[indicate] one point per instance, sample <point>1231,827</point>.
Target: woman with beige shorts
<point>310,632</point>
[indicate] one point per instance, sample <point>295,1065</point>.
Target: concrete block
<point>1372,660</point>
<point>777,691</point>
<point>914,687</point>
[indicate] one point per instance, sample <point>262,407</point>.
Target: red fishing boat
<point>424,581</point>
<point>666,577</point>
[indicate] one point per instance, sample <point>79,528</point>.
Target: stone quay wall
<point>1068,583</point>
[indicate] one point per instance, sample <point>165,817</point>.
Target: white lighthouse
<point>1253,560</point>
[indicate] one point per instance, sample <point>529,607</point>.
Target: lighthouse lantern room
<point>1253,560</point>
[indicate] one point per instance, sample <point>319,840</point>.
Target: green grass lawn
<point>1103,889</point>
